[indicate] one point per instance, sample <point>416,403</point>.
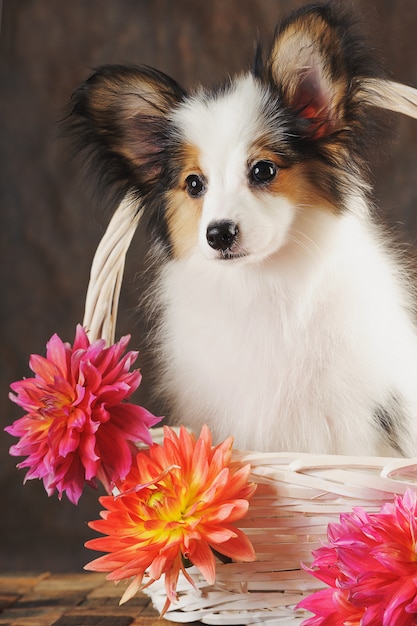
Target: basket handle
<point>102,299</point>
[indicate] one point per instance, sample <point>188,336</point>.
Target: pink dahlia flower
<point>370,565</point>
<point>78,427</point>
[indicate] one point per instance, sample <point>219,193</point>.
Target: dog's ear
<point>314,61</point>
<point>119,116</point>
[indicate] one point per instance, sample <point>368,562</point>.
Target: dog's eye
<point>263,172</point>
<point>194,185</point>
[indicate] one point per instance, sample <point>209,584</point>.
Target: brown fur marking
<point>183,212</point>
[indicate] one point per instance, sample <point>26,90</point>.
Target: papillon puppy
<point>284,318</point>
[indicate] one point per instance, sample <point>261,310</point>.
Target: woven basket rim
<point>297,496</point>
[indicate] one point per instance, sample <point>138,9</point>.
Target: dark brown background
<point>49,224</point>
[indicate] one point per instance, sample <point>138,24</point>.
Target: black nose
<point>222,235</point>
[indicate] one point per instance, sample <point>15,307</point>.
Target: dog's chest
<point>245,357</point>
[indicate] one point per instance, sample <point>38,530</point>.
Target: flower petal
<point>78,425</point>
<point>202,557</point>
<point>174,503</point>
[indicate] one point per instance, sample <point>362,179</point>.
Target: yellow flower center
<point>155,500</point>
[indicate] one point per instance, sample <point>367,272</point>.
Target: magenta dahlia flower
<point>78,427</point>
<point>370,567</point>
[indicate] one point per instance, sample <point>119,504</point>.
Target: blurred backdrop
<point>50,224</point>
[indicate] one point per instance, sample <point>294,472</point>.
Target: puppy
<point>285,319</point>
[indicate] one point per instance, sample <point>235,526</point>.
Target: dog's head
<point>232,173</point>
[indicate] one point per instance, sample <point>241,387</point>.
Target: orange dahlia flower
<point>179,502</point>
<point>78,427</point>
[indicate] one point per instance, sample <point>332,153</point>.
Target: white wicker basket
<point>298,495</point>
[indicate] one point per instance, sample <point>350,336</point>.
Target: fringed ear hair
<point>306,64</point>
<point>325,75</point>
<point>119,119</point>
<point>315,62</point>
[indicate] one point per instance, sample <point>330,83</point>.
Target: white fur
<point>223,129</point>
<point>293,346</point>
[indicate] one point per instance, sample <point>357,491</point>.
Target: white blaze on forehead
<point>222,127</point>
